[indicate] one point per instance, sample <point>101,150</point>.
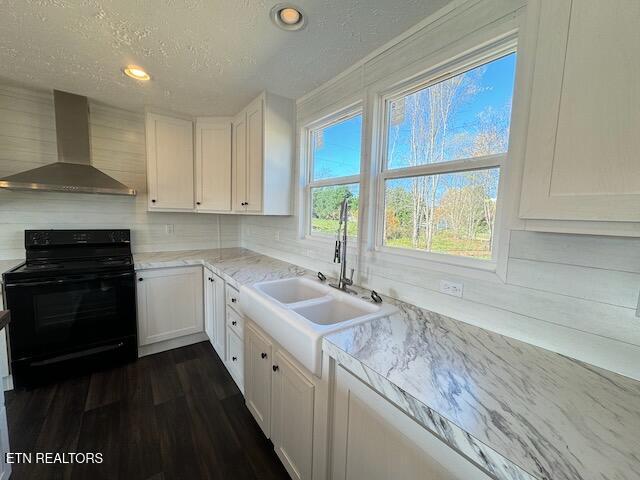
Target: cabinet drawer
<point>235,322</point>
<point>233,297</point>
<point>235,359</point>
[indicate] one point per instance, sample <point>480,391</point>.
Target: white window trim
<point>344,113</point>
<point>451,69</point>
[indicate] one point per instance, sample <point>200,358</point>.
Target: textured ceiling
<point>205,56</point>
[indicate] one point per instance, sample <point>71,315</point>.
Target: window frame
<point>405,88</point>
<point>338,116</point>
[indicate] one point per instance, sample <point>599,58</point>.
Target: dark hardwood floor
<point>173,415</point>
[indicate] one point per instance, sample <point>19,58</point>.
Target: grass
<point>330,227</point>
<point>446,242</point>
<point>443,242</point>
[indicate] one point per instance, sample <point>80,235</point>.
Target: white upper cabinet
<point>169,163</point>
<point>263,152</point>
<point>582,156</point>
<point>213,165</point>
<point>240,161</point>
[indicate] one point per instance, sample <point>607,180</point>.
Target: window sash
<point>459,165</point>
<point>412,86</point>
<point>340,116</point>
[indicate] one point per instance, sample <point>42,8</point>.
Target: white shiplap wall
<point>573,294</point>
<point>27,140</point>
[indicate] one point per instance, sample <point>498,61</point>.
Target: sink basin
<point>292,290</point>
<point>298,312</point>
<point>333,311</point>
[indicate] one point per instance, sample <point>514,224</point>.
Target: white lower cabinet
<point>257,378</point>
<point>281,397</point>
<point>214,311</point>
<point>292,416</point>
<point>170,303</point>
<point>235,358</point>
<point>373,439</point>
<point>5,468</point>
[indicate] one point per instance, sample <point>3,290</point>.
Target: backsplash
<point>27,140</point>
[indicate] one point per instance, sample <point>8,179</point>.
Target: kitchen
<point>320,240</point>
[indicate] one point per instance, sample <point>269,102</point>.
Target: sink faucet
<point>340,252</point>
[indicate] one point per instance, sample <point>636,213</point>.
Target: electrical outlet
<point>451,288</point>
<point>168,228</point>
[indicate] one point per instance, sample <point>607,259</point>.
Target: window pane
<point>335,149</point>
<point>450,213</point>
<point>325,208</point>
<point>462,117</point>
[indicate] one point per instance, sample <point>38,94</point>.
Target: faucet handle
<point>349,281</point>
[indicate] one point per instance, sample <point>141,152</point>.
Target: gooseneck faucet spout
<point>340,252</point>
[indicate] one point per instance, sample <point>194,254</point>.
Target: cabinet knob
<point>234,322</point>
<point>234,300</point>
<point>197,203</point>
<point>263,355</point>
<point>153,200</point>
<point>210,279</point>
<point>234,359</point>
<point>275,368</point>
<point>140,279</point>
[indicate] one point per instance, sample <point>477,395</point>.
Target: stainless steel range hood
<point>73,171</point>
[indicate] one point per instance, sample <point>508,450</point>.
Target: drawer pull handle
<point>275,368</point>
<point>263,355</point>
<point>234,359</point>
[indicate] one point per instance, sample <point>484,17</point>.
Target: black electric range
<point>73,304</point>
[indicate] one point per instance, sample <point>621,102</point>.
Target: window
<point>443,146</point>
<point>334,171</point>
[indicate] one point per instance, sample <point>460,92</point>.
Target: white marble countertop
<point>518,410</point>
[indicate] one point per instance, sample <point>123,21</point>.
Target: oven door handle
<point>62,281</point>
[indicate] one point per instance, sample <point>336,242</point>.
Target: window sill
<point>463,266</point>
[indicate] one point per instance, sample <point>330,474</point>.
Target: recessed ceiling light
<point>136,72</point>
<point>288,17</point>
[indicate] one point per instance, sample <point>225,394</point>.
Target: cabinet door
<point>240,162</point>
<point>213,166</point>
<point>373,439</point>
<point>170,303</point>
<point>219,319</point>
<point>581,160</point>
<point>292,417</point>
<point>235,358</point>
<point>169,163</point>
<point>255,150</point>
<point>257,378</point>
<point>209,304</point>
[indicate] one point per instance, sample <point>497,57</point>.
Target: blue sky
<point>337,150</point>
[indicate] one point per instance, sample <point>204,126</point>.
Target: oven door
<point>67,314</point>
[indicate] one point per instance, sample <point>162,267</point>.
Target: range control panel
<point>49,238</point>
